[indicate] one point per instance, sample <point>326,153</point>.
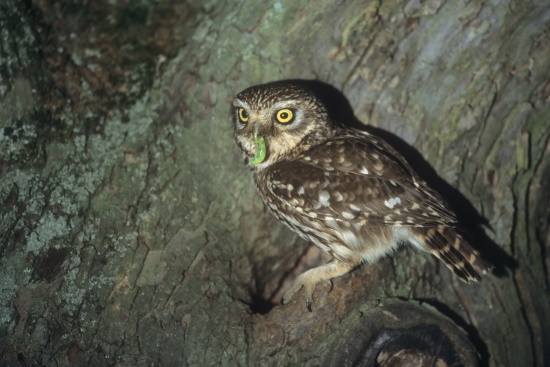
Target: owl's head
<point>281,118</point>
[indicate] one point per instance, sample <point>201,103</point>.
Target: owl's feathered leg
<point>310,278</point>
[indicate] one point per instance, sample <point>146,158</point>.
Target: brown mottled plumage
<point>347,191</point>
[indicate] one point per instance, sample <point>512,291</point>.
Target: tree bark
<point>131,232</point>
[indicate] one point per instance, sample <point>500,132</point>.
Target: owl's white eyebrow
<point>285,103</point>
<point>239,103</point>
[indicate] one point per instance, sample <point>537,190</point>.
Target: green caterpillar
<point>260,151</point>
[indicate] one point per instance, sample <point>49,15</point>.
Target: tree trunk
<point>131,231</point>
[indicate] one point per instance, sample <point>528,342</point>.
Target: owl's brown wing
<point>352,179</point>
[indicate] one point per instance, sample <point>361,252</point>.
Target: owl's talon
<point>310,278</point>
<point>308,285</point>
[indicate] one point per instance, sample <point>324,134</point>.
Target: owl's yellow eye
<point>284,116</point>
<point>243,115</point>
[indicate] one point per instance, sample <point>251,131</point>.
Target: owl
<point>345,190</point>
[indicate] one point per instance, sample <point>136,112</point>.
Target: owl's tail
<point>453,249</point>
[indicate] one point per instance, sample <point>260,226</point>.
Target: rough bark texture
<point>132,235</point>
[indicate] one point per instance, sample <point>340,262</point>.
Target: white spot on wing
<point>354,207</point>
<point>364,171</point>
<point>348,215</point>
<point>324,197</point>
<point>390,203</point>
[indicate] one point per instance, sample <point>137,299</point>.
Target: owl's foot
<point>309,279</point>
<point>306,282</point>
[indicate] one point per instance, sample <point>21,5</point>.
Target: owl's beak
<point>260,129</point>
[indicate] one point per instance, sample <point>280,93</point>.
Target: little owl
<point>347,191</point>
